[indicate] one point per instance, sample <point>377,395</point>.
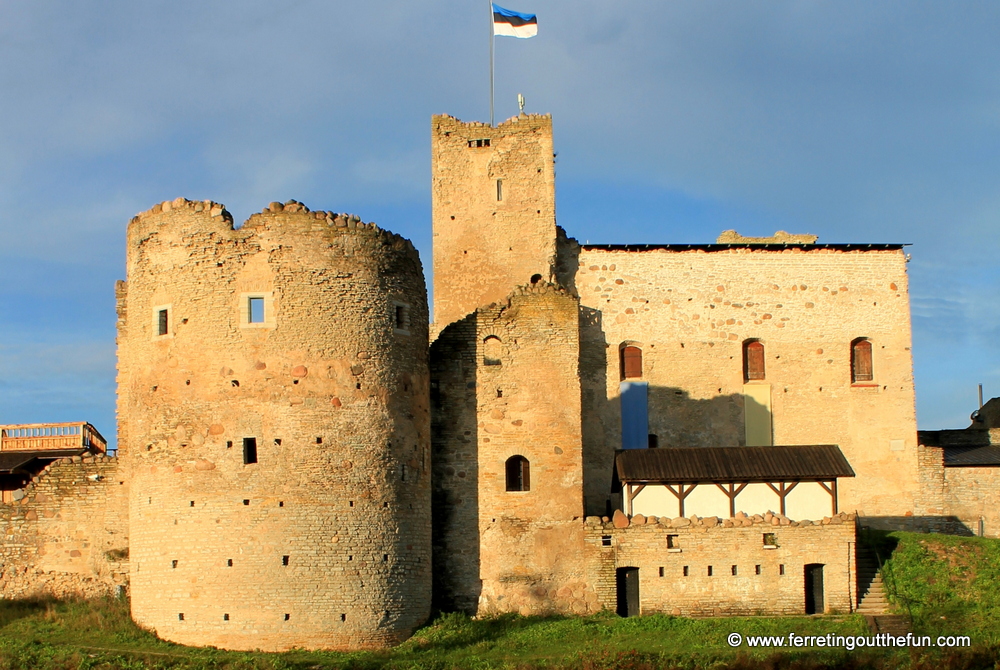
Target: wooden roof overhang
<point>731,469</point>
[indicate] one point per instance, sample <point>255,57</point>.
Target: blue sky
<point>856,121</point>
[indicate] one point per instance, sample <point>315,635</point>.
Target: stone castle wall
<point>325,540</point>
<point>691,310</point>
<point>506,383</point>
<point>746,578</point>
<point>67,533</point>
<point>487,240</point>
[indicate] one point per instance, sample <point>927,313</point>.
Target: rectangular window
<point>256,309</point>
<point>686,571</point>
<point>734,571</point>
<point>661,571</point>
<point>671,542</point>
<point>499,190</point>
<point>249,450</point>
<point>770,540</point>
<point>710,571</point>
<point>400,318</point>
<point>605,540</point>
<point>756,569</point>
<point>163,322</point>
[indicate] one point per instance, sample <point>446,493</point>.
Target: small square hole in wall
<point>661,571</point>
<point>385,557</point>
<point>180,616</point>
<point>192,503</point>
<point>319,440</point>
<point>605,540</point>
<point>401,318</point>
<point>284,560</point>
<point>350,503</point>
<point>225,617</point>
<point>343,617</point>
<point>246,501</point>
<point>281,503</point>
<point>287,616</point>
<point>734,571</point>
<point>350,558</point>
<point>173,563</point>
<point>229,444</point>
<point>686,571</point>
<point>229,563</point>
<point>710,571</point>
<point>756,569</point>
<point>277,441</point>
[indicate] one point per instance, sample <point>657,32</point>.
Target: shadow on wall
<point>946,525</point>
<point>674,418</point>
<point>455,469</point>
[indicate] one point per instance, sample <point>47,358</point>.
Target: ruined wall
<point>767,581</point>
<point>486,241</point>
<point>66,534</point>
<point>325,540</point>
<point>507,384</point>
<point>690,312</point>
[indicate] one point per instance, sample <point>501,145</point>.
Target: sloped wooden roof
<point>732,464</point>
<point>11,461</point>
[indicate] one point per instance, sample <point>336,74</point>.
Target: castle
<point>308,460</point>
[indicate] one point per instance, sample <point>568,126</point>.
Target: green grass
<point>948,584</point>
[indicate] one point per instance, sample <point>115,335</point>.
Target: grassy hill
<point>947,584</point>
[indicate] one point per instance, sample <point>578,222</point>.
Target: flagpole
<point>491,62</point>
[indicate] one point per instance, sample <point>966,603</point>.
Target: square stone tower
<point>494,210</point>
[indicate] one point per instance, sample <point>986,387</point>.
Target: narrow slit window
<point>710,571</point>
<point>163,322</point>
<point>518,474</point>
<point>256,309</point>
<point>687,571</point>
<point>753,360</point>
<point>631,362</point>
<point>861,361</point>
<point>249,450</point>
<point>734,571</point>
<point>499,190</point>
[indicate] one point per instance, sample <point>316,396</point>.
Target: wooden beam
<point>782,491</point>
<point>731,493</point>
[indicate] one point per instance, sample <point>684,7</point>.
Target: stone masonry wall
<point>972,493</point>
<point>691,310</point>
<point>324,542</point>
<point>487,241</point>
<point>68,535</point>
<point>522,397</point>
<point>767,581</point>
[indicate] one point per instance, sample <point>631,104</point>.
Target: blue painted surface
<point>635,417</point>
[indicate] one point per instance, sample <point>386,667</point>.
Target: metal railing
<point>51,436</point>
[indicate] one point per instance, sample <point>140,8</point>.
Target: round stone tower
<point>274,428</point>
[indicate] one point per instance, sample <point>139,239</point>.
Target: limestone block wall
<point>324,541</point>
<point>690,310</point>
<point>971,494</point>
<point>507,384</point>
<point>493,206</point>
<point>67,533</point>
<point>714,567</point>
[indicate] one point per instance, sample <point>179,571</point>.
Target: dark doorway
<point>814,589</point>
<point>627,582</point>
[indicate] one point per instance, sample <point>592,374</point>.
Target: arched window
<point>518,474</point>
<point>753,360</point>
<point>492,349</point>
<point>630,359</point>
<point>861,361</point>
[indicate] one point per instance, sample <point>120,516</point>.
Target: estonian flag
<point>513,24</point>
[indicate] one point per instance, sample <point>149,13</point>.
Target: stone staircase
<point>871,594</point>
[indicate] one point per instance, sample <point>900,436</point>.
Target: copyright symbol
<point>735,639</point>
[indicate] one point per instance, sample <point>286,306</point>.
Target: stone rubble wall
<point>690,311</point>
<point>698,543</point>
<point>324,542</point>
<point>485,246</point>
<point>66,534</point>
<point>498,550</point>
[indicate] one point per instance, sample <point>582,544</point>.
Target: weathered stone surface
<point>620,520</point>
